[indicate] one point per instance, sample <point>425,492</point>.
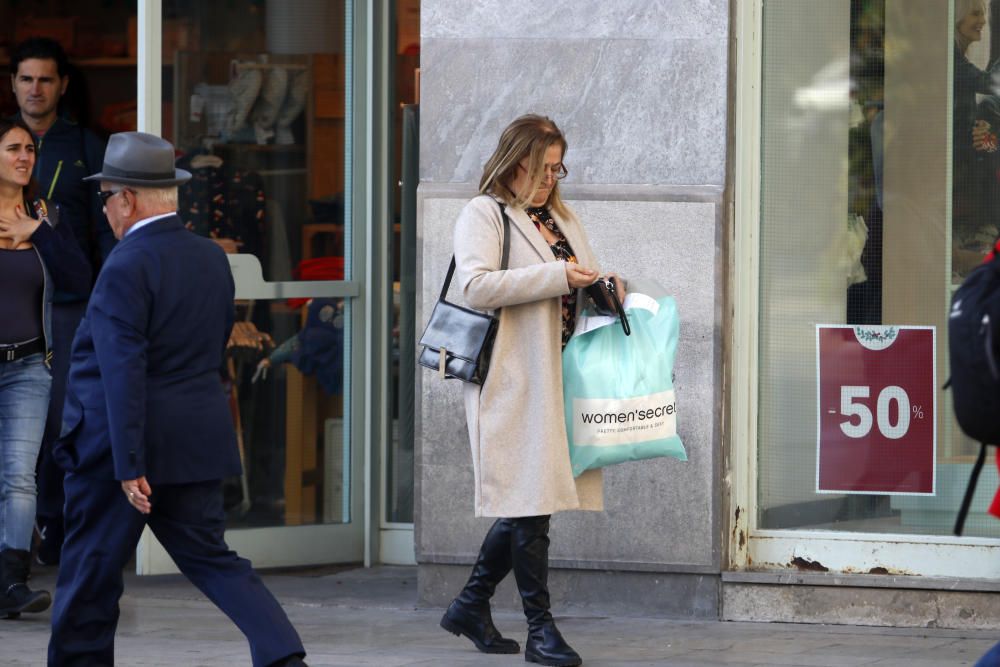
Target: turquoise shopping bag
<point>618,390</point>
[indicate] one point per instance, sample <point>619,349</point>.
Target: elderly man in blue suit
<point>147,434</point>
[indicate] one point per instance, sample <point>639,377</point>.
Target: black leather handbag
<point>458,341</point>
<point>604,294</point>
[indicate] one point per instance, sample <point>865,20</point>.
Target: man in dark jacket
<point>148,435</point>
<point>66,153</point>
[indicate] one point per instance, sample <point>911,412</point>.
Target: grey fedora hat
<point>140,159</point>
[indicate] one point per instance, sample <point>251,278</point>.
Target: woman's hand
<point>577,276</point>
<point>19,228</point>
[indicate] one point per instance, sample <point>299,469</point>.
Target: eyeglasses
<point>557,172</point>
<point>105,195</point>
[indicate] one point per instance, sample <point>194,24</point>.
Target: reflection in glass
<point>855,226</point>
<point>254,101</point>
<point>975,124</point>
<point>399,490</point>
<point>284,376</point>
<point>399,453</point>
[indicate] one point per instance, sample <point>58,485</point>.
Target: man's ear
<point>63,85</point>
<point>13,80</point>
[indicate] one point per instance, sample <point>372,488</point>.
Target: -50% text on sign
<point>852,405</point>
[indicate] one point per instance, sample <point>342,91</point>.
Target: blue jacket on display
<point>318,349</point>
<point>66,153</point>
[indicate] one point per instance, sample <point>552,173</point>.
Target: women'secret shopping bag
<point>618,390</point>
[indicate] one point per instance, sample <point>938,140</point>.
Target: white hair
<point>159,198</point>
<point>964,7</point>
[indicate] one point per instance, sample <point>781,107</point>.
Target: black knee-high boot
<point>469,613</point>
<point>530,542</point>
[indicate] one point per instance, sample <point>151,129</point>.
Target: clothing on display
<point>224,203</point>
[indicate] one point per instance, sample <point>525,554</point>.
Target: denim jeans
<point>24,402</point>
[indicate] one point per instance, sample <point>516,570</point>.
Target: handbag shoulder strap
<point>503,259</point>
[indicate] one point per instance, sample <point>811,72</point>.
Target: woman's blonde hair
<point>529,136</point>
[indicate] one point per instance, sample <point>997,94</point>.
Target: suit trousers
<point>102,531</point>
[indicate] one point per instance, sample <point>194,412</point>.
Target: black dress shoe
<point>290,661</point>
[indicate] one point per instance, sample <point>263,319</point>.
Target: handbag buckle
<point>442,359</point>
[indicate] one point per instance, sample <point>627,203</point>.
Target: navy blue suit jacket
<point>144,395</point>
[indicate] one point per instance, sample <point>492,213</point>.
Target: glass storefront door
<point>869,201</point>
<point>257,98</point>
<point>396,521</point>
<point>277,108</point>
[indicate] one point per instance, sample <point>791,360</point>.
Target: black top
<point>23,290</point>
<point>563,252</point>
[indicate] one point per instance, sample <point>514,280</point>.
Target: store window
<point>255,97</point>
<point>399,461</point>
<point>254,101</point>
<point>879,192</point>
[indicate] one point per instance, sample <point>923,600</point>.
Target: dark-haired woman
<point>516,418</point>
<point>37,256</point>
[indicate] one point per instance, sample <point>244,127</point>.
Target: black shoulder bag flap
<point>458,341</point>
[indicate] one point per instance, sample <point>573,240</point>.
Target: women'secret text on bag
<point>610,421</point>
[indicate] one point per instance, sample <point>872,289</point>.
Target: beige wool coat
<point>517,431</point>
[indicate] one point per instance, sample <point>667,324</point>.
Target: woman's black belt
<point>16,351</point>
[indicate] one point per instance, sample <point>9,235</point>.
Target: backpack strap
<point>970,490</point>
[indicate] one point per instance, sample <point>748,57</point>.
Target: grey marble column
<point>639,88</point>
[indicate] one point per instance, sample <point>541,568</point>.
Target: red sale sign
<point>877,425</point>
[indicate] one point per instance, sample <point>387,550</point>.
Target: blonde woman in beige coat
<point>517,431</point>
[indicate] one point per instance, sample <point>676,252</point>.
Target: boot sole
<point>457,630</point>
<point>537,659</point>
<point>41,604</point>
<point>33,607</point>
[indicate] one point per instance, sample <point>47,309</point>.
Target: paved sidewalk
<point>369,617</point>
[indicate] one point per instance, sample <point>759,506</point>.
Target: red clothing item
<point>995,505</point>
<point>992,253</point>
